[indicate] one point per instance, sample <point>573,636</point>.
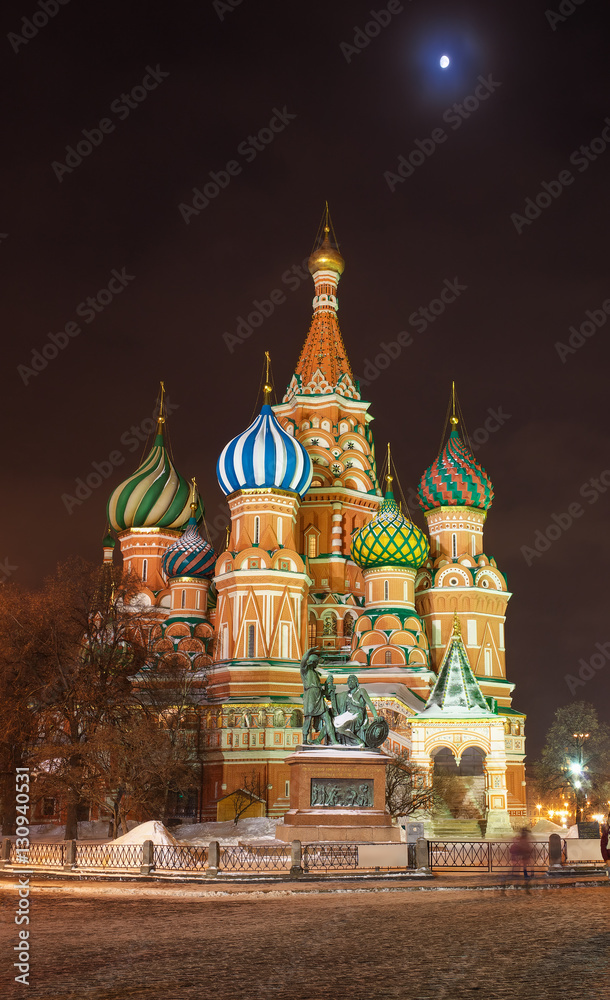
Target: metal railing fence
<point>318,857</point>
<point>108,855</point>
<point>484,855</point>
<point>180,858</point>
<point>257,858</point>
<point>49,854</point>
<point>328,857</point>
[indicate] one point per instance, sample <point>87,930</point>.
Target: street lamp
<point>577,768</point>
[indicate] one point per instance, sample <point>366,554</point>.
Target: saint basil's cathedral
<point>318,555</point>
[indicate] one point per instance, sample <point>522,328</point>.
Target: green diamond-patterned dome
<point>389,539</point>
<point>455,478</point>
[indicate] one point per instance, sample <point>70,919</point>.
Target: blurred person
<point>605,842</point>
<point>521,851</point>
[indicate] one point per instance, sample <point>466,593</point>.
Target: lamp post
<point>577,768</point>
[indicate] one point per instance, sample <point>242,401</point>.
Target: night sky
<point>205,77</point>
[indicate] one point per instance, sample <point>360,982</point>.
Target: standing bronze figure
<point>315,709</point>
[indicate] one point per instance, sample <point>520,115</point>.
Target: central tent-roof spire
<point>323,366</point>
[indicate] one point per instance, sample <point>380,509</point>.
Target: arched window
<point>388,656</point>
<point>257,530</point>
<point>473,542</point>
<point>144,570</point>
<point>454,546</point>
<point>330,625</point>
<point>406,590</point>
<point>488,661</point>
<point>183,599</point>
<point>250,641</point>
<point>436,633</point>
<point>285,645</point>
<point>312,546</point>
<point>348,626</point>
<point>198,602</point>
<point>386,590</point>
<point>311,633</point>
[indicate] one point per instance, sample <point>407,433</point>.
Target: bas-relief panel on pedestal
<point>342,792</point>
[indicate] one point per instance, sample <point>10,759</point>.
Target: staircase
<point>449,828</point>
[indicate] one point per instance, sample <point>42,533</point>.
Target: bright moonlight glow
<point>444,62</point>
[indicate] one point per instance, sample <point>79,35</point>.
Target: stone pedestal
<point>498,825</point>
<point>337,793</point>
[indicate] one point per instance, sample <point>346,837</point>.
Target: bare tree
<point>87,700</point>
<point>406,788</point>
<point>81,638</point>
<point>139,764</point>
<point>20,692</point>
<point>245,796</point>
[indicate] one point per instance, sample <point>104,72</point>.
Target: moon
<point>444,62</point>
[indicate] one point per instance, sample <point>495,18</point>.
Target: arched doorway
<point>459,785</point>
<point>444,762</point>
<point>472,763</point>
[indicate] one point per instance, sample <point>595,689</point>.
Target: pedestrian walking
<point>521,851</point>
<point>605,842</point>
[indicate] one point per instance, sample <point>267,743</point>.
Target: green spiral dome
<point>155,496</point>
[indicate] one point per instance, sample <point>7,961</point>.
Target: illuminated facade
<point>316,555</point>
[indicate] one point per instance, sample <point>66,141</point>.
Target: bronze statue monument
<point>343,722</point>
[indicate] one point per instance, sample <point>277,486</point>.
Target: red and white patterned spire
<point>323,366</point>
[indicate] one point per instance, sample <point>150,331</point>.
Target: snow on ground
<point>95,831</point>
<point>153,830</point>
<point>246,831</point>
<point>547,826</point>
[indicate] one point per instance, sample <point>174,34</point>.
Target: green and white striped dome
<point>155,496</point>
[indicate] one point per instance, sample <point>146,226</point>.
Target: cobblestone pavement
<point>495,944</point>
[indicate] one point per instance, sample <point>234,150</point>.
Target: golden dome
<point>326,257</point>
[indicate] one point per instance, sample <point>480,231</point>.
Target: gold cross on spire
<point>161,417</point>
<point>389,477</point>
<point>267,388</point>
<point>453,420</point>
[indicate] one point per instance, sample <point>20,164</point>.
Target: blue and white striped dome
<point>264,456</point>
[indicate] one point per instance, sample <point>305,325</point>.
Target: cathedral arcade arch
<point>451,747</point>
